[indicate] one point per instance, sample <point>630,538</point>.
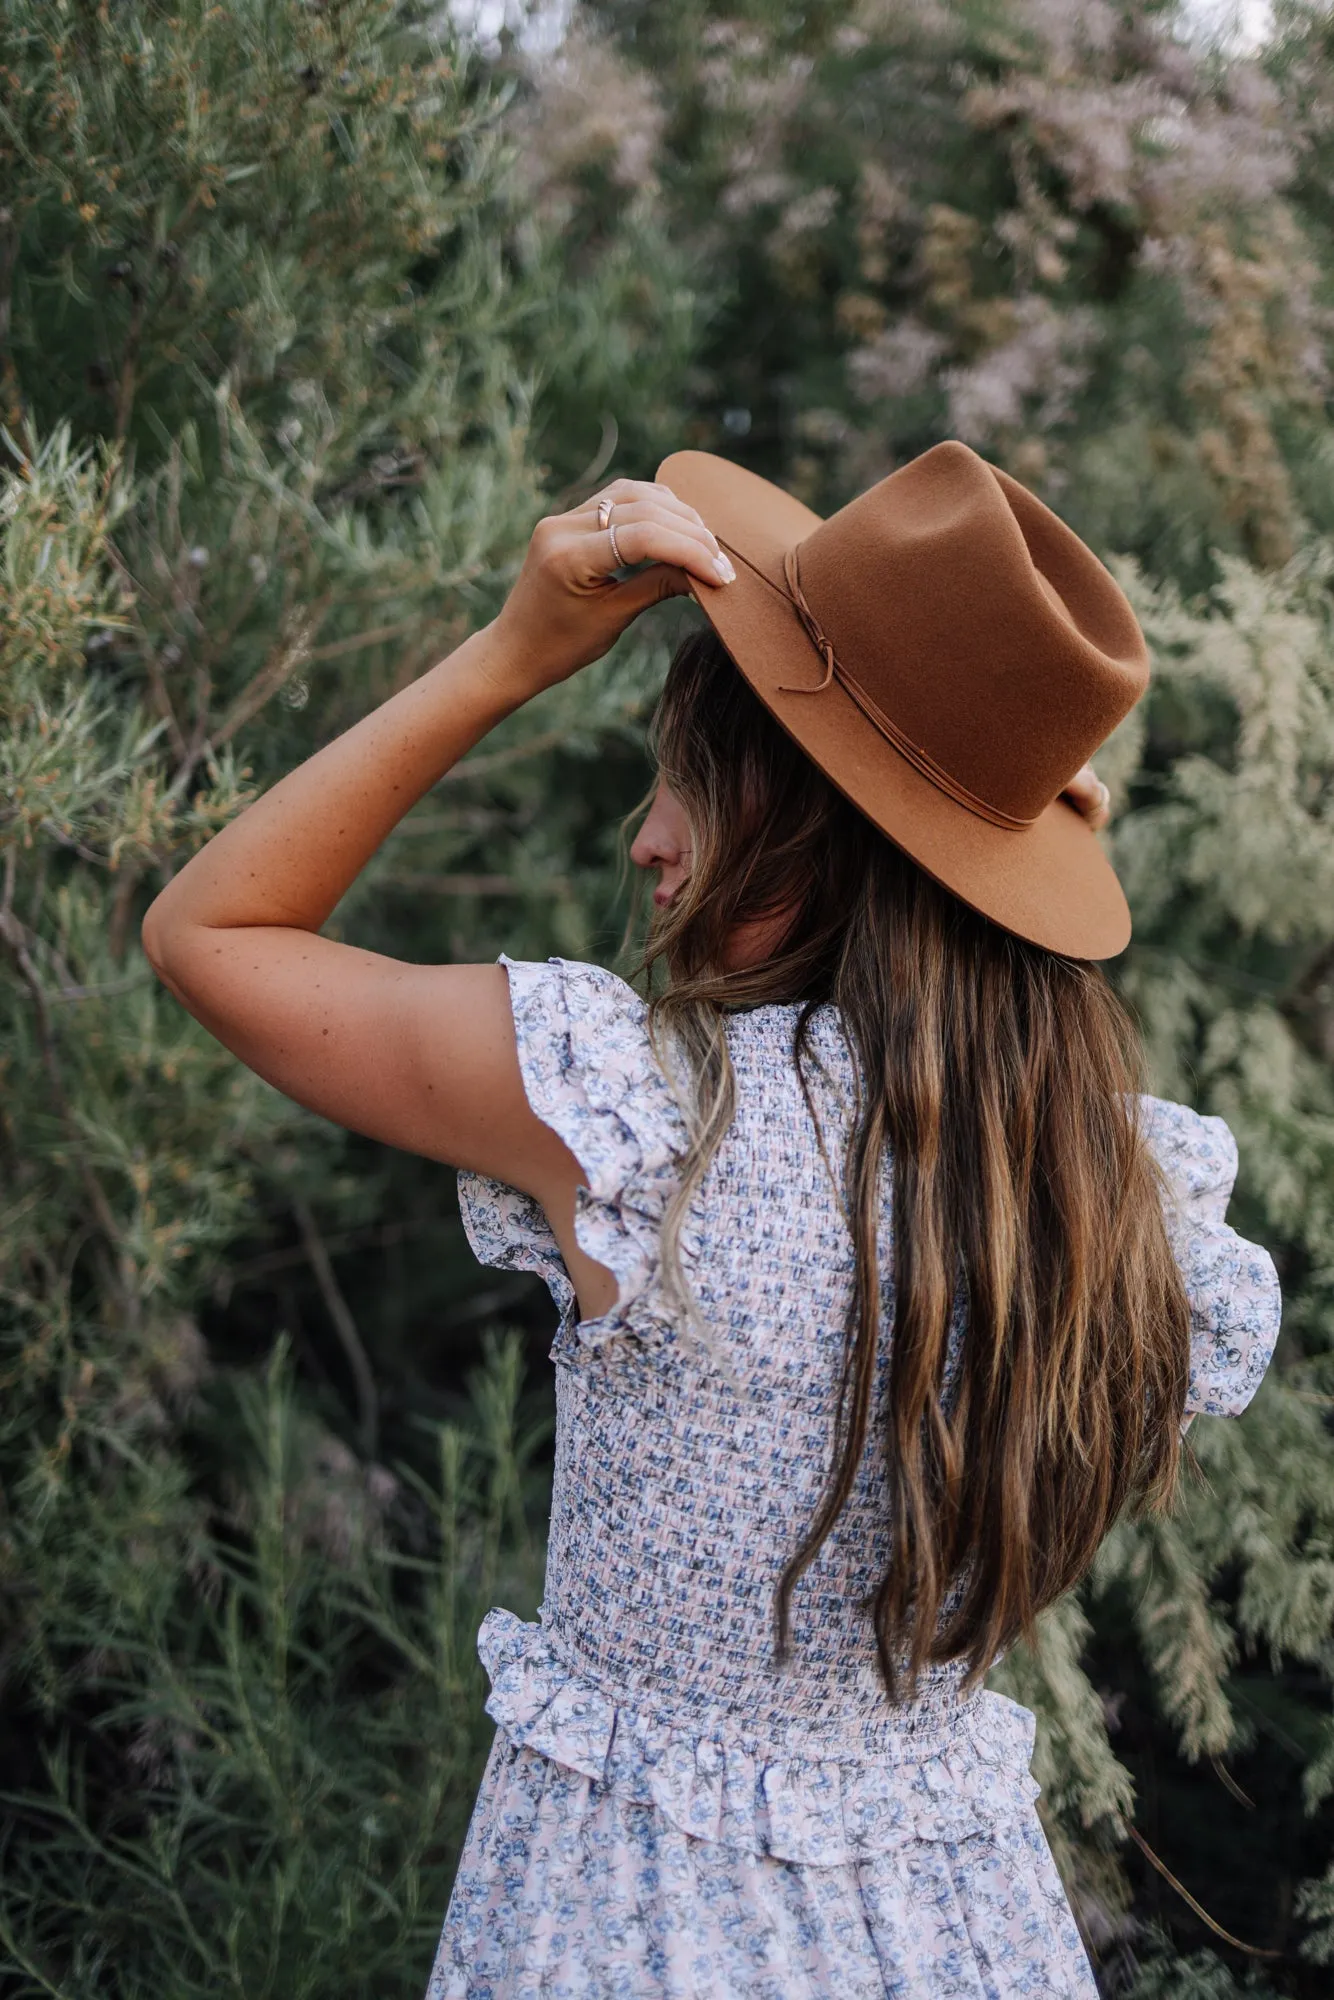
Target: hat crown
<point>977,624</point>
<point>948,653</point>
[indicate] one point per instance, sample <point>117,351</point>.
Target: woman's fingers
<point>638,501</point>
<point>568,605</point>
<point>622,493</point>
<point>646,531</point>
<point>1089,796</point>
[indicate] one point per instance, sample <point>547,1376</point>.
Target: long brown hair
<point>1001,1080</point>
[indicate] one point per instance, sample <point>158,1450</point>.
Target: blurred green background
<point>308,310</point>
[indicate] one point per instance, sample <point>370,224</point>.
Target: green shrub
<point>293,1695</point>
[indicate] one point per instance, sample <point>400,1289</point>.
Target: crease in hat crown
<point>913,753</point>
<point>932,552</point>
<point>950,653</point>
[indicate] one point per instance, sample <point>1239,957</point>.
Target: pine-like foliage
<point>294,1703</point>
<point>271,313</point>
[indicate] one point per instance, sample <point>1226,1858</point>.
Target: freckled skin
<point>426,1058</point>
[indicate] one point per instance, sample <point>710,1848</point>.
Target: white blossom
<point>1032,377</point>
<point>896,362</point>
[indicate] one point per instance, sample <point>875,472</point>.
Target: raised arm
<point>421,1056</point>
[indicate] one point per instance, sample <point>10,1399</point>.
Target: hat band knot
<point>921,760</point>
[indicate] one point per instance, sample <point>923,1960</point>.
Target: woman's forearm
<point>286,861</point>
<point>419,1056</point>
<point>290,857</point>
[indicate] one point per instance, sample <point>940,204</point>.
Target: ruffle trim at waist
<point>824,1810</point>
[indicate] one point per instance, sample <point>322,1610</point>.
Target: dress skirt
<point>565,1889</point>
<point>573,1886</point>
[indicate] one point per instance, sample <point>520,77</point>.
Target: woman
<point>883,1291</point>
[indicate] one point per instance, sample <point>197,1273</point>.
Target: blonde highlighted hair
<point>1001,1082</point>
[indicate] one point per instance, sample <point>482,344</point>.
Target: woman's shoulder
<point>1235,1303</point>
<point>590,1073</point>
<point>586,1053</point>
<point>581,1016</point>
<point>1195,1150</point>
<point>572,990</point>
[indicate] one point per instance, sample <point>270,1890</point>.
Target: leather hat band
<point>913,753</point>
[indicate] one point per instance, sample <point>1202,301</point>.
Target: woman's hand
<point>1089,796</point>
<point>566,607</point>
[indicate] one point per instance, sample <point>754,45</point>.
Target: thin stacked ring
<point>605,509</point>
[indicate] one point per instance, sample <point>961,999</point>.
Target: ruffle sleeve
<point>589,1072</point>
<point>1235,1306</point>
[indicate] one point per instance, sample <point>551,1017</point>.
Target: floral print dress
<point>664,1813</point>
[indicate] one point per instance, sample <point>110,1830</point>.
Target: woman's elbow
<point>162,935</point>
<point>153,935</point>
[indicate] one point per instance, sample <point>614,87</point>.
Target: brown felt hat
<point>949,653</point>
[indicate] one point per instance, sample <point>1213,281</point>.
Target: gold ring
<point>605,507</point>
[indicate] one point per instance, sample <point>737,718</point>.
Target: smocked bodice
<point>689,1462</point>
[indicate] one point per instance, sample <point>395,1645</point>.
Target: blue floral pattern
<point>665,1812</point>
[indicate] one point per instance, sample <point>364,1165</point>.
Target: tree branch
<point>125,387</point>
<point>497,760</point>
<point>292,653</point>
<point>9,241</point>
<point>368,1416</point>
<point>1238,1944</point>
<point>468,885</point>
<point>375,1236</point>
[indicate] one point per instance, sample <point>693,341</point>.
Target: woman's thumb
<point>651,586</point>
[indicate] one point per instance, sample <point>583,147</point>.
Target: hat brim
<point>1049,882</point>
